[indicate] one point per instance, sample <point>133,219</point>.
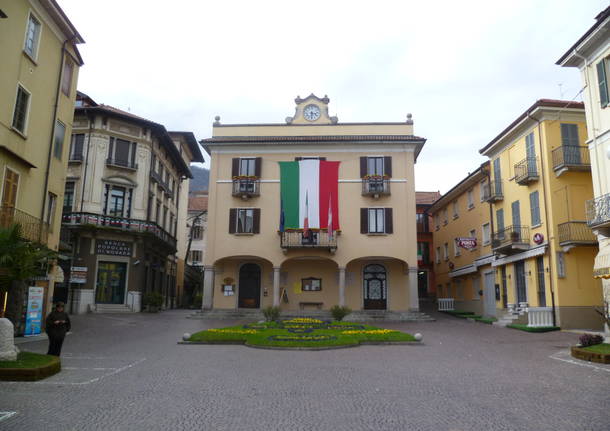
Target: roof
<point>198,203</point>
<point>458,189</point>
<point>541,103</point>
<point>192,143</point>
<point>62,20</point>
<point>311,138</point>
<point>600,18</point>
<point>426,198</point>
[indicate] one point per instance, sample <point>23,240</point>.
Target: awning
<point>532,252</point>
<point>601,268</point>
<point>469,269</point>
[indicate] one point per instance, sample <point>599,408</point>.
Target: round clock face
<point>311,112</point>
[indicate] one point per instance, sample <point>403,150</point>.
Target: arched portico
<point>308,282</point>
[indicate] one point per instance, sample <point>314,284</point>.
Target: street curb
<point>362,343</point>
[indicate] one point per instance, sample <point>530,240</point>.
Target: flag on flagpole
<point>306,219</point>
<point>330,219</point>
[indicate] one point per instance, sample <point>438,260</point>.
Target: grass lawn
<point>488,320</point>
<point>301,333</point>
<point>28,360</point>
<point>529,329</point>
<point>603,348</point>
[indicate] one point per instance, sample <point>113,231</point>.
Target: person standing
<point>56,325</point>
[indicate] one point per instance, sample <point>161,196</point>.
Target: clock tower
<point>311,110</point>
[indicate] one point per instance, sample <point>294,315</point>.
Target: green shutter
<point>603,83</point>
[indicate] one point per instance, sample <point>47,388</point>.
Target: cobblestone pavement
<point>126,372</point>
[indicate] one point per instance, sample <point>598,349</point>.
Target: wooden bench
<point>317,305</point>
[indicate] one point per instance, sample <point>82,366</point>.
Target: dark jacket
<point>57,330</point>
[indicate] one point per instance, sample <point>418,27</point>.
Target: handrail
<point>32,228</point>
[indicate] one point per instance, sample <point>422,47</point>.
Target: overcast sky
<point>464,69</point>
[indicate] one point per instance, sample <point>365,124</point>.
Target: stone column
<point>341,286</point>
<point>276,286</point>
<point>413,290</point>
<point>208,288</point>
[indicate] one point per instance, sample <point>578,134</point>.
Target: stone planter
<point>586,355</point>
<point>30,374</point>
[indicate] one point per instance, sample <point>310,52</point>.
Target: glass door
<point>111,283</point>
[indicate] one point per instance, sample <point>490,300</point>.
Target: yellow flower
<point>303,320</point>
<point>369,332</point>
<point>233,331</point>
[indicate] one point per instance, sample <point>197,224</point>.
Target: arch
<point>120,180</point>
<point>375,286</point>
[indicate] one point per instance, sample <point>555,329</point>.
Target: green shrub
<point>153,299</point>
<point>339,312</point>
<point>271,314</point>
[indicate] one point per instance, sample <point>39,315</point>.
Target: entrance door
<point>111,283</point>
<point>490,294</point>
<point>520,281</point>
<point>375,287</point>
<point>422,284</point>
<point>504,288</point>
<point>249,286</point>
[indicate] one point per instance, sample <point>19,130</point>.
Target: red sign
<point>467,243</point>
<point>538,238</point>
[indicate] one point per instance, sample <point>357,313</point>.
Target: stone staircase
<point>110,308</point>
<point>507,319</point>
<point>355,316</point>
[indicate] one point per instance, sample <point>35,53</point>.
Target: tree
<point>20,260</point>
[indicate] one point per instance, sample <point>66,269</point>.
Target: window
<point>76,147</point>
<point>569,135</point>
<point>446,251</point>
<point>448,291</point>
<point>500,222</point>
<point>311,284</point>
<point>437,221</point>
<point>164,225</point>
<point>476,287</point>
<point>602,82</point>
<point>456,249</point>
<point>22,105</point>
<point>9,195</point>
<point>116,203</point>
<point>438,255</point>
<point>531,154</point>
<point>470,198</point>
<point>423,253</point>
<point>68,197</point>
<point>158,212</point>
<point>32,37</point>
<point>196,256</point>
<point>66,77</point>
<point>58,139</point>
<point>456,212</point>
<point>445,216</point>
<point>486,234</point>
<point>535,208</point>
<point>375,166</point>
<point>458,289</point>
<point>123,153</point>
<point>51,202</point>
<point>561,264</point>
<point>422,222</point>
<point>197,232</point>
<point>244,220</point>
<point>473,234</point>
<point>246,167</point>
<point>376,220</point>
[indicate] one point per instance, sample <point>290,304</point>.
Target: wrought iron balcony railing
<point>316,239</point>
<point>121,163</point>
<point>32,228</point>
<point>159,180</point>
<point>576,232</point>
<point>526,171</point>
<point>492,190</point>
<point>119,223</point>
<point>375,186</point>
<point>571,157</point>
<point>598,211</point>
<point>511,238</point>
<point>246,188</point>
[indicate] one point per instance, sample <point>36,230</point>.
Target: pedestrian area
<point>128,372</point>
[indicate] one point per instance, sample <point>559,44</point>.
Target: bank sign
<point>467,243</point>
<point>33,316</point>
<point>113,247</point>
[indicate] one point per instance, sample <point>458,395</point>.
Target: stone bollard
<point>8,350</point>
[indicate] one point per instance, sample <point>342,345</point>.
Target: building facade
<point>121,207</point>
<point>425,247</point>
<point>196,231</point>
<point>40,64</point>
<point>463,247</point>
<point>304,215</point>
<point>540,179</point>
<point>591,55</point>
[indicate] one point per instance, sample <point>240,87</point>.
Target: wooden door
<point>375,287</point>
<point>249,286</point>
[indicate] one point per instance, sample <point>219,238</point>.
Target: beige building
<point>124,195</point>
<point>591,54</point>
<point>40,63</point>
<point>312,213</point>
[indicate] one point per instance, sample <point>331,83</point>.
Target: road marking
<point>570,360</point>
<point>6,415</point>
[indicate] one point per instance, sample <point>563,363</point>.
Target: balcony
<point>575,233</point>
<point>375,186</point>
<point>319,239</point>
<point>90,220</point>
<point>119,163</point>
<point>571,158</point>
<point>526,171</point>
<point>32,228</point>
<point>511,240</point>
<point>492,191</point>
<point>246,187</point>
<point>158,178</point>
<point>598,212</point>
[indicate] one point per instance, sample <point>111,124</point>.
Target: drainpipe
<point>546,215</point>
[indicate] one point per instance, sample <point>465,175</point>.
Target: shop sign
<point>78,274</point>
<point>467,243</point>
<point>113,247</point>
<point>33,315</point>
<point>538,238</point>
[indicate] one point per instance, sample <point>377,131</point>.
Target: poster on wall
<point>33,315</point>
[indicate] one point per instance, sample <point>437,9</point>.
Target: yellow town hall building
<point>312,213</point>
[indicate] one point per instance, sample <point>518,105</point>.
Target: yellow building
<point>40,64</point>
<point>539,182</point>
<point>462,246</point>
<point>259,252</point>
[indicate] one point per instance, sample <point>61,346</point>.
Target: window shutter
<point>364,219</point>
<point>258,166</point>
<point>256,222</point>
<point>389,227</point>
<point>387,166</point>
<point>602,82</point>
<point>232,218</point>
<point>235,167</point>
<point>363,163</point>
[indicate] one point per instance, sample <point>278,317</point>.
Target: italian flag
<point>309,194</point>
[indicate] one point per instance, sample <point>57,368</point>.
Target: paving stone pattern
<point>126,372</point>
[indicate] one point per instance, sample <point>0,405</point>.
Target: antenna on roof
<point>560,90</point>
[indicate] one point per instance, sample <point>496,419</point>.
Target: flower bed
<point>301,333</point>
<point>533,329</point>
<point>599,353</point>
<point>29,367</point>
